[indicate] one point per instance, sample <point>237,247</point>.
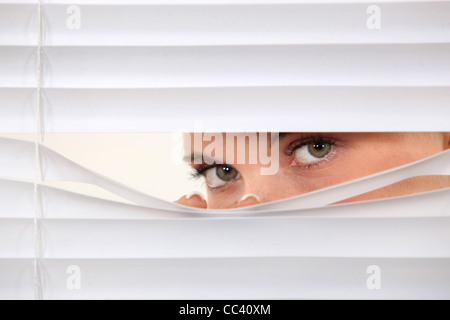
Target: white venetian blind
<point>152,66</point>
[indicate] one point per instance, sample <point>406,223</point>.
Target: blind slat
<point>228,66</point>
<point>348,65</point>
<point>221,2</point>
<point>17,202</point>
<point>16,279</point>
<point>17,67</point>
<point>247,237</point>
<point>360,109</point>
<point>135,24</point>
<point>327,109</point>
<point>237,278</point>
<point>131,25</point>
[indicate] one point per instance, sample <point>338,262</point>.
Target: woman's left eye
<point>312,152</point>
<point>219,175</point>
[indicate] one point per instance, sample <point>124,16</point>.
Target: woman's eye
<point>312,152</point>
<point>219,175</point>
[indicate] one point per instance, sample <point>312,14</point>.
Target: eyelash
<point>307,140</point>
<point>198,172</point>
<point>304,141</point>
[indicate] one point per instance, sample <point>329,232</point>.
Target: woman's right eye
<point>219,175</point>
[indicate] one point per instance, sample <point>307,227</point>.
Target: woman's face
<point>310,161</point>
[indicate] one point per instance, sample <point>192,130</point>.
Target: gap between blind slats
<point>18,155</point>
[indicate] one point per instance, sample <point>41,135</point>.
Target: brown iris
<point>319,150</point>
<point>226,173</point>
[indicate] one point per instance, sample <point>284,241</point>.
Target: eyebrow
<point>198,156</point>
<point>280,136</point>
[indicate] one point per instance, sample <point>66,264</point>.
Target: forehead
<point>196,142</point>
<point>229,145</point>
<point>202,139</point>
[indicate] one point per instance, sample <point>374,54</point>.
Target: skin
<point>353,155</point>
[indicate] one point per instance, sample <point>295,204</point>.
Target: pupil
<point>319,147</point>
<point>226,173</point>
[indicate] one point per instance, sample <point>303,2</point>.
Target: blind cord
<point>38,139</point>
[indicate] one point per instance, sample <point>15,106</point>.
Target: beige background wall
<point>142,161</point>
